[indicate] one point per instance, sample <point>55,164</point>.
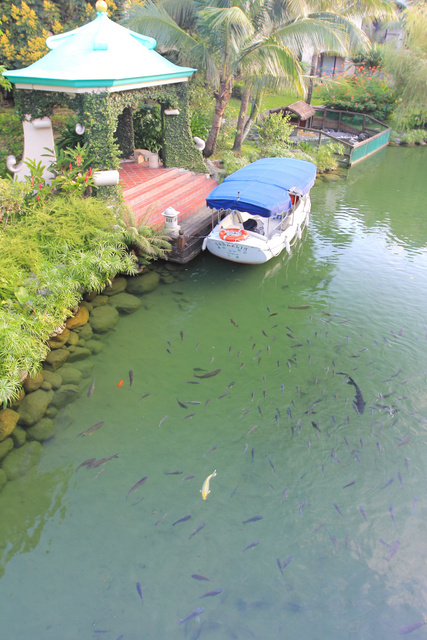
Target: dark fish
<point>233,322</point>
<point>306,306</point>
<point>286,562</point>
<point>210,450</point>
<point>259,410</point>
<point>392,514</point>
<point>230,385</point>
<point>359,403</point>
<point>350,484</point>
<point>189,415</point>
<point>405,440</point>
<point>209,375</point>
<point>198,369</point>
<point>181,333</point>
<point>271,464</point>
<point>131,376</point>
<point>197,529</point>
<point>181,404</point>
<point>197,576</point>
<point>215,592</point>
<point>144,396</point>
<point>160,520</point>
<point>183,519</point>
<point>251,545</point>
<point>192,615</point>
<point>173,473</point>
<point>362,511</point>
<point>91,388</point>
<point>223,395</point>
<point>193,402</point>
<point>253,519</point>
<point>388,483</point>
<point>279,565</point>
<point>411,627</point>
<point>188,477</point>
<point>316,427</point>
<point>94,427</point>
<point>338,509</point>
<point>252,429</point>
<point>301,507</point>
<point>135,486</point>
<point>97,463</point>
<point>253,454</point>
<point>284,495</point>
<point>393,549</point>
<point>85,463</point>
<point>139,589</point>
<point>169,351</point>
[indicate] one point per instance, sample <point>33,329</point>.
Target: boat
<point>260,210</point>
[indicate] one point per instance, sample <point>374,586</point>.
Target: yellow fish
<point>205,491</point>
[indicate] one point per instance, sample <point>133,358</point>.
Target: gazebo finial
<point>101,6</point>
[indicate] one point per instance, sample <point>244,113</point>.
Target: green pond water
<point>340,550</point>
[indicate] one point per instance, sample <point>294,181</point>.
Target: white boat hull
<point>257,248</point>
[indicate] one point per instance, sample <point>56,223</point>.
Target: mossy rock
<point>73,338</point>
<point>56,359</point>
<point>144,283</point>
<point>19,436</point>
<point>95,346</point>
<point>79,353</point>
<point>31,383</point>
<point>43,430</point>
<point>66,393</point>
<point>3,479</point>
<point>126,302</point>
<point>70,375</point>
<point>99,301</point>
<point>78,320</point>
<point>85,366</point>
<point>58,341</point>
<point>20,461</point>
<point>117,286</point>
<point>34,406</point>
<point>5,447</point>
<point>102,319</point>
<point>86,332</point>
<point>14,404</point>
<point>53,377</point>
<point>8,421</point>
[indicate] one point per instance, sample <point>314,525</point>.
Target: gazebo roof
<point>100,56</point>
<point>301,109</point>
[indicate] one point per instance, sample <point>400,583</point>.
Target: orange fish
<point>119,385</point>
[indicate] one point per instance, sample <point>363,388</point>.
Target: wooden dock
<point>195,228</point>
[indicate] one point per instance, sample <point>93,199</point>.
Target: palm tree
<point>232,40</point>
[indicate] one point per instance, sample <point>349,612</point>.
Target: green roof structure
<point>101,55</point>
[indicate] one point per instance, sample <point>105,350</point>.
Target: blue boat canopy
<point>262,188</point>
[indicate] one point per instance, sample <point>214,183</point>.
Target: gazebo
<point>301,113</point>
<point>103,71</point>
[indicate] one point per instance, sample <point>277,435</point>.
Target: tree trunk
<point>256,103</point>
<point>221,98</point>
<point>237,146</point>
<point>313,69</point>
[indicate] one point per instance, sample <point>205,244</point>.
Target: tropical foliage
<point>26,25</point>
<point>49,255</point>
<point>368,91</point>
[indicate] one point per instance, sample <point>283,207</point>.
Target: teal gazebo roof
<point>100,56</point>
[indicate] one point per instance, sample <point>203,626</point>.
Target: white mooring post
<point>171,221</point>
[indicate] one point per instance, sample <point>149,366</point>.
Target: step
<point>147,193</point>
<point>152,182</point>
<point>175,193</point>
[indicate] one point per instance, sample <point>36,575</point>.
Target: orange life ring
<point>233,234</point>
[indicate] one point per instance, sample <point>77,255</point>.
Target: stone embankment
<point>33,418</point>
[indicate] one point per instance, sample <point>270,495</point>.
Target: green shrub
<point>68,138</point>
<point>147,126</point>
<point>274,130</point>
<point>415,136</point>
<point>325,156</point>
<point>366,92</point>
<point>11,139</point>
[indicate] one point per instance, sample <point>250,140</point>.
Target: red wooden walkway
<point>150,191</point>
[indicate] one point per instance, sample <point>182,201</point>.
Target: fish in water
<point>173,473</point>
<point>251,546</point>
<point>253,519</point>
<point>86,463</point>
<point>404,441</point>
<point>338,509</point>
<point>162,420</point>
<point>91,388</point>
<point>181,333</point>
<point>197,576</point>
<point>144,396</point>
<point>135,486</point>
<point>197,529</point>
<point>388,483</point>
<point>210,451</point>
<point>350,484</point>
<point>393,549</point>
<point>411,627</point>
<point>210,374</point>
<point>205,491</point>
<point>233,322</point>
<point>189,415</point>
<point>181,404</point>
<point>183,519</point>
<point>130,377</point>
<point>119,384</point>
<point>301,507</point>
<point>97,463</point>
<point>192,615</point>
<point>362,511</point>
<point>139,589</point>
<point>215,592</point>
<point>306,306</point>
<point>91,429</point>
<point>392,514</point>
<point>359,403</point>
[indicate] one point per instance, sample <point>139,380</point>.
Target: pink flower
<point>70,166</point>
